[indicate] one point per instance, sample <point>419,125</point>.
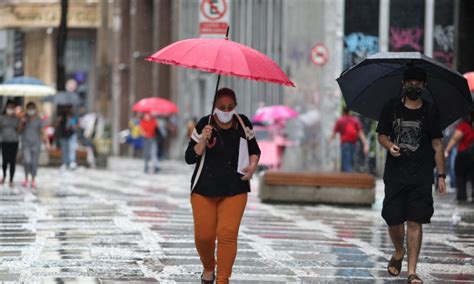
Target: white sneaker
<point>73,166</point>
<point>63,167</point>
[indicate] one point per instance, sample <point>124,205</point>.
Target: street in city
<point>121,225</point>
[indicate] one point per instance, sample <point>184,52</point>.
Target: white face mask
<point>31,112</point>
<point>10,111</point>
<point>223,116</point>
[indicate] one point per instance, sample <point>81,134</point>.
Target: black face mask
<point>413,93</point>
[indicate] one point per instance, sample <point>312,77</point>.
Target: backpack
<point>65,129</point>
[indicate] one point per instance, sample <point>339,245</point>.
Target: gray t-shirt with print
<point>9,128</point>
<point>31,135</point>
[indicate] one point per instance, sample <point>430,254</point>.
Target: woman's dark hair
<point>226,92</point>
<point>30,104</point>
<point>9,103</point>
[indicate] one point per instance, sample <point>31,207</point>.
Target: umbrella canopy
<point>157,106</point>
<point>470,80</point>
<point>370,84</point>
<point>223,57</point>
<point>25,87</point>
<point>274,113</point>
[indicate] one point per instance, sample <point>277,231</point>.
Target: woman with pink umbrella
<point>219,187</point>
<point>223,147</point>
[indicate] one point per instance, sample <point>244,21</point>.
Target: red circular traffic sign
<point>214,11</point>
<point>319,54</point>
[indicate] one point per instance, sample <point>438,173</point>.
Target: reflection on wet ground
<point>121,226</point>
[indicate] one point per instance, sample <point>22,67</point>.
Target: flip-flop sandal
<point>413,277</point>
<point>395,263</point>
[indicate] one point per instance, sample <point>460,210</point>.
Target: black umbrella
<point>370,84</point>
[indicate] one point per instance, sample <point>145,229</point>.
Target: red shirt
<point>348,127</point>
<point>467,135</point>
<point>148,128</point>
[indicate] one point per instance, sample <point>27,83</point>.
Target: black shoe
<point>157,170</point>
<point>208,281</point>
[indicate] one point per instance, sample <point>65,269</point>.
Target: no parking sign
<point>319,54</point>
<point>213,18</point>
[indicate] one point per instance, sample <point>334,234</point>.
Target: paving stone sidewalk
<point>123,226</point>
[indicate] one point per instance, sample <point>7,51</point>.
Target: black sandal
<point>208,281</point>
<point>395,263</point>
<point>413,277</point>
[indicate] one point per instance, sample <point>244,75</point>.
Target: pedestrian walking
<point>350,130</point>
<point>218,190</point>
<point>10,127</point>
<point>148,129</point>
<point>88,133</point>
<point>410,129</point>
<point>66,126</point>
<point>135,138</point>
<point>464,164</point>
<point>451,159</point>
<point>31,139</point>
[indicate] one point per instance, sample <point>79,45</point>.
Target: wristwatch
<point>442,176</point>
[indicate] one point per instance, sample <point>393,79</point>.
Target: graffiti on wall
<point>406,39</point>
<point>444,44</point>
<point>358,46</point>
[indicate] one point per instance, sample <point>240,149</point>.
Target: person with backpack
<point>148,130</point>
<point>220,183</point>
<point>350,130</point>
<point>409,128</point>
<point>464,164</point>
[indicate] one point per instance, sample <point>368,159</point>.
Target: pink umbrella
<point>274,113</point>
<point>158,106</point>
<point>470,80</point>
<point>223,57</point>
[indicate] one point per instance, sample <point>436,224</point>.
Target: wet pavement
<point>122,226</point>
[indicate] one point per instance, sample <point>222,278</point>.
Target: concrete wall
<point>311,22</point>
<point>280,30</point>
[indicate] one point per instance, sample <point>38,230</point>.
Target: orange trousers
<point>217,217</point>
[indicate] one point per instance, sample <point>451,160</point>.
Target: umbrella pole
<point>218,81</point>
<point>215,93</point>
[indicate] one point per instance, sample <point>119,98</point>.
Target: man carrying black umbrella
<point>410,129</point>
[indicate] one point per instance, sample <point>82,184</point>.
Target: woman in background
<point>31,139</point>
<point>10,127</point>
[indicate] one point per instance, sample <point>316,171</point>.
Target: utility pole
<point>61,47</point>
<point>102,59</point>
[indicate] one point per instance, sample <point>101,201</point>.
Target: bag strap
<point>249,134</point>
<point>201,164</point>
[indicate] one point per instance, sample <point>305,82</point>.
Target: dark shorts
<point>404,202</point>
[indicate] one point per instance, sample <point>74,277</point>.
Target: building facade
<point>313,41</point>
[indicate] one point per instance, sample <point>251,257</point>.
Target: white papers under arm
<point>243,156</point>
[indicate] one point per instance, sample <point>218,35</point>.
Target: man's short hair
<point>414,73</point>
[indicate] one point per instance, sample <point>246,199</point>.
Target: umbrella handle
<point>211,144</point>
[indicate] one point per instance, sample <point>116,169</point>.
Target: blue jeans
<point>347,156</point>
<point>451,161</point>
<point>68,149</point>
<point>150,153</point>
